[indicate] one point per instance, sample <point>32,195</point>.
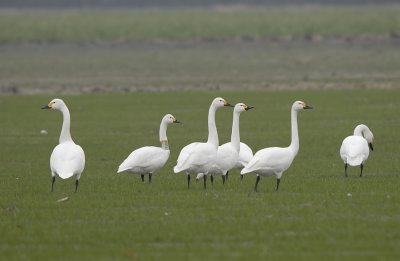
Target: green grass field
<point>117,217</point>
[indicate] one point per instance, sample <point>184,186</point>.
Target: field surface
<point>317,214</point>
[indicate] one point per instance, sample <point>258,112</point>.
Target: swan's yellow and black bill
<point>248,107</point>
<point>370,146</point>
<point>228,104</point>
<point>176,121</point>
<point>48,106</point>
<point>307,107</point>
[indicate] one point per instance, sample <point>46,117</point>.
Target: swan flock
<point>207,158</point>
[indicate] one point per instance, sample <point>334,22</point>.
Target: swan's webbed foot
<point>257,180</point>
<point>345,169</point>
<point>150,174</point>
<point>277,183</point>
<point>76,185</point>
<point>53,179</point>
<point>142,176</point>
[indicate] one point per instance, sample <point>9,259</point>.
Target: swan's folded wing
<point>184,156</point>
<point>145,157</point>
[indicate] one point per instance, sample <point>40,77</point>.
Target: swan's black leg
<point>227,174</point>
<point>76,185</point>
<point>205,181</point>
<point>241,176</point>
<point>257,180</point>
<point>142,176</point>
<point>362,167</point>
<point>188,180</point>
<point>212,179</point>
<point>345,169</point>
<point>277,183</point>
<point>223,179</point>
<point>150,177</point>
<point>53,179</point>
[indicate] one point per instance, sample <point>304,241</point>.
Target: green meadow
<point>317,213</point>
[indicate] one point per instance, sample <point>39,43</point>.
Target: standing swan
<point>198,157</point>
<point>67,158</point>
<point>274,161</point>
<point>355,148</point>
<point>147,160</point>
<point>228,153</point>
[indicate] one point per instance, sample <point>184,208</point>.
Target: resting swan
<point>147,160</point>
<point>198,157</point>
<point>67,158</point>
<point>274,161</point>
<point>355,149</point>
<point>228,153</point>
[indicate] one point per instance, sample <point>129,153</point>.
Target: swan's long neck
<point>294,145</point>
<point>65,135</point>
<point>163,136</point>
<point>235,136</point>
<point>212,128</point>
<point>358,131</point>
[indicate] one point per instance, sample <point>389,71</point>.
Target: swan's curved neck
<point>65,135</point>
<point>358,131</point>
<point>294,145</point>
<point>163,135</point>
<point>212,128</point>
<point>235,136</point>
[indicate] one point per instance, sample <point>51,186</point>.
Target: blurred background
<point>86,46</point>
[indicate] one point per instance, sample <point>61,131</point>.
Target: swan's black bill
<point>370,146</point>
<point>176,121</point>
<point>228,104</point>
<point>249,108</point>
<point>46,107</point>
<point>307,107</point>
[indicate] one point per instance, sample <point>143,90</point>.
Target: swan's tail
<point>122,168</point>
<point>245,171</point>
<point>177,169</point>
<point>355,161</point>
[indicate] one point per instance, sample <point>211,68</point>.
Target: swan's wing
<point>195,154</point>
<point>227,157</point>
<point>245,155</point>
<point>145,157</point>
<point>354,150</point>
<point>184,156</point>
<point>67,160</point>
<point>275,159</point>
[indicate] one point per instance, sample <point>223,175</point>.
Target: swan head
<point>220,102</point>
<point>299,106</point>
<point>56,104</point>
<point>241,107</point>
<point>169,118</point>
<point>369,137</point>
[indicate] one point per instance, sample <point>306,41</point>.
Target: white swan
<point>228,153</point>
<point>198,157</point>
<point>274,161</point>
<point>355,149</point>
<point>67,158</point>
<point>147,160</point>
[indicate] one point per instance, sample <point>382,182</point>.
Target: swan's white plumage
<point>67,158</point>
<point>146,160</point>
<point>245,155</point>
<point>198,157</point>
<point>275,160</point>
<point>355,149</point>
